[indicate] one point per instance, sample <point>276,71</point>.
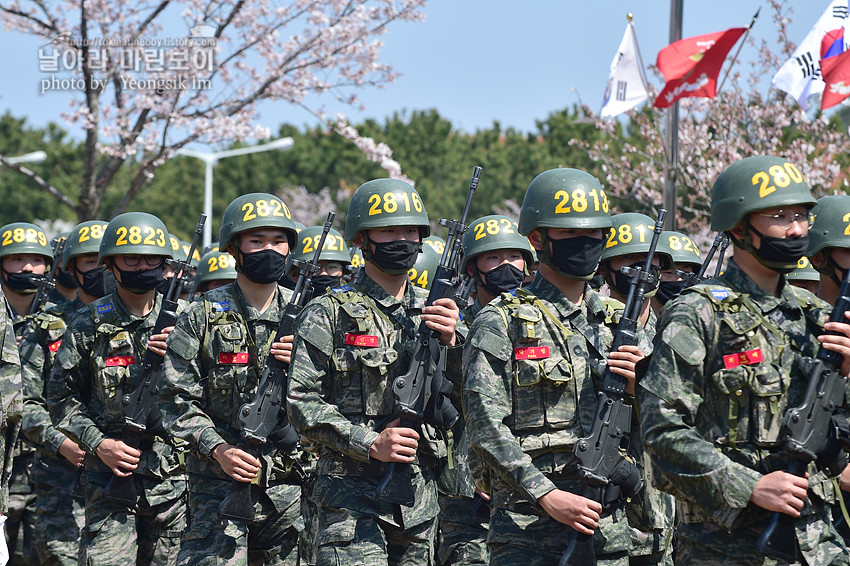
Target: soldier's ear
<point>358,240</point>
<point>536,239</point>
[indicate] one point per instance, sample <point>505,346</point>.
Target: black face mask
<point>577,258</point>
<point>395,257</point>
<point>668,289</point>
<point>98,282</point>
<point>322,283</point>
<point>263,267</point>
<point>65,279</point>
<point>22,283</point>
<point>779,254</point>
<point>622,282</point>
<point>141,282</point>
<point>502,279</point>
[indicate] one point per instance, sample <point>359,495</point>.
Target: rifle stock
<point>807,431</point>
<point>265,417</point>
<point>598,453</point>
<point>139,406</point>
<point>422,388</point>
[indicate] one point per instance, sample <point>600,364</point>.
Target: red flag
<point>836,74</point>
<point>691,65</point>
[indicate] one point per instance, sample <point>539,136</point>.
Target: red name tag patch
<point>233,358</point>
<point>531,353</point>
<point>120,361</point>
<point>743,358</point>
<point>361,340</point>
<point>55,346</point>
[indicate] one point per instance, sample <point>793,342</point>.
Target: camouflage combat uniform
<point>21,516</point>
<point>11,402</point>
<point>651,512</point>
<point>59,517</point>
<point>97,363</point>
<point>215,354</point>
<point>464,516</point>
<point>532,365</point>
<point>727,364</point>
<point>349,346</point>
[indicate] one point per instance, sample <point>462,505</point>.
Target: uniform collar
<point>250,313</point>
<point>592,303</point>
<point>742,283</point>
<point>380,296</point>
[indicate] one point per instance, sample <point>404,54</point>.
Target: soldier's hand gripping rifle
<point>601,464</point>
<point>139,406</point>
<point>809,432</point>
<point>422,392</point>
<point>698,277</point>
<point>265,419</point>
<point>47,282</point>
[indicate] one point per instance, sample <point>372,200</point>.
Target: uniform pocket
<point>560,391</point>
<point>222,388</point>
<point>348,389</point>
<point>528,395</point>
<point>768,385</point>
<point>378,364</point>
<point>111,380</point>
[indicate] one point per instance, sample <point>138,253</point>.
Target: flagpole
<point>671,164</point>
<point>641,68</point>
<point>738,52</point>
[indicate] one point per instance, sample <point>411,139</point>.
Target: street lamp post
<point>210,160</point>
<point>32,157</point>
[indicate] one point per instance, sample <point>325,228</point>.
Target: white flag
<point>625,88</point>
<point>800,76</point>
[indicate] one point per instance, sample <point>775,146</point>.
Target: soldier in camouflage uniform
<point>99,362</point>
<point>495,257</point>
<point>829,244</point>
<point>59,518</point>
<point>11,406</point>
<point>650,512</point>
<point>727,363</point>
<point>422,273</point>
<point>686,259</point>
<point>349,347</point>
<point>213,364</point>
<point>24,253</point>
<point>216,269</point>
<point>532,364</point>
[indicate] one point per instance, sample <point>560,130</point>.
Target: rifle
<point>47,282</point>
<point>600,463</point>
<point>698,277</point>
<point>465,286</point>
<point>724,243</point>
<point>265,417</point>
<point>421,393</point>
<point>139,406</point>
<point>809,431</point>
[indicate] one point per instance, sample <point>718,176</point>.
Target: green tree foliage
<point>432,152</point>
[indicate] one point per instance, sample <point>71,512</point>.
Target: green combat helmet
<point>213,247</point>
<point>422,272</point>
<point>804,272</point>
<point>135,233</point>
<point>494,232</point>
<point>255,210</point>
<point>385,202</point>
<point>83,239</point>
<point>180,251</point>
<point>829,229</point>
<point>214,266</point>
<point>334,249</point>
<point>680,247</point>
<point>631,233</point>
<point>24,238</point>
<point>437,243</point>
<point>753,184</point>
<point>563,198</point>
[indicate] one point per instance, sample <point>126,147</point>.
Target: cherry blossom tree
<point>144,92</point>
<point>741,121</point>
